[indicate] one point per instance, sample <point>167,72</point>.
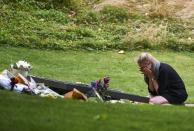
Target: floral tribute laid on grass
<point>17,79</point>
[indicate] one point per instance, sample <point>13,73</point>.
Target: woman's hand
<point>146,69</point>
<point>148,72</point>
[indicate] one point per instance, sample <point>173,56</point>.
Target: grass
<point>50,24</point>
<point>23,112</point>
<point>85,66</point>
<point>55,39</point>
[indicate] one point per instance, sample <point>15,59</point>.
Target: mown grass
<point>23,112</point>
<point>85,66</point>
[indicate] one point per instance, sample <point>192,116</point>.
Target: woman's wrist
<point>151,78</point>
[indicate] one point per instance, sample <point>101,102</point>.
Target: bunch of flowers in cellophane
<point>19,81</point>
<point>16,80</point>
<point>21,67</point>
<point>101,87</point>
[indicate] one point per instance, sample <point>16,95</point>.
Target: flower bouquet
<point>21,67</point>
<point>100,88</point>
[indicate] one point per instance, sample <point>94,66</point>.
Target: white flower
<point>22,65</point>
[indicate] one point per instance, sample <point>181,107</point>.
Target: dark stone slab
<point>63,87</point>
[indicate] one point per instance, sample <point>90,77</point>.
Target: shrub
<point>135,17</point>
<point>146,36</point>
<point>52,15</point>
<point>90,17</point>
<point>10,1</point>
<point>137,43</point>
<point>176,28</point>
<point>176,44</point>
<point>60,4</point>
<point>73,5</point>
<point>160,9</point>
<point>114,14</point>
<point>81,32</point>
<point>192,46</point>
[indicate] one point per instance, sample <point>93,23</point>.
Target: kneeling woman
<point>164,83</point>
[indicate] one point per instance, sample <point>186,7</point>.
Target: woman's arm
<point>153,85</point>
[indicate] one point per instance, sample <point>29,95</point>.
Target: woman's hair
<point>144,57</point>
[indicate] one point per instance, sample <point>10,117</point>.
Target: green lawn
<point>85,66</point>
<point>24,112</point>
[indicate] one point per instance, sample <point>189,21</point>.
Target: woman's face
<point>145,65</point>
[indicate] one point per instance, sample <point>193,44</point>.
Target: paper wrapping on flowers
<point>44,91</point>
<point>23,85</point>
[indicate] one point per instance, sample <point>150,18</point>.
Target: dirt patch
<point>187,11</point>
<point>117,3</point>
<point>180,8</point>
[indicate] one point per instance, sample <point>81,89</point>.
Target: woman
<point>164,83</point>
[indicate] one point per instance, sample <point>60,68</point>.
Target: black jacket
<point>171,86</point>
